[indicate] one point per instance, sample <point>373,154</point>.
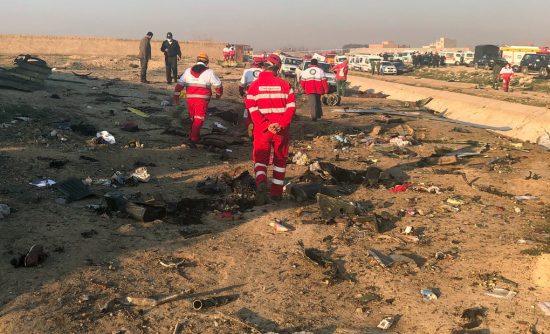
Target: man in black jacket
<point>172,53</point>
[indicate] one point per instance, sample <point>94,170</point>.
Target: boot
<point>261,194</point>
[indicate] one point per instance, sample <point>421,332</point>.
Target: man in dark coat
<point>145,55</point>
<point>172,54</point>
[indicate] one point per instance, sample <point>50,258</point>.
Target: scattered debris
<point>5,211</point>
<point>526,198</point>
<point>43,183</point>
<point>501,293</point>
<point>387,322</point>
<point>145,212</point>
<point>201,304</point>
<point>300,159</point>
<point>544,140</point>
<point>400,188</point>
<point>321,259</point>
<point>280,226</point>
<point>384,260</point>
<point>400,141</point>
<point>456,201</point>
<point>474,317</point>
<point>428,295</point>
<point>74,189</point>
<point>138,112</point>
<point>153,301</point>
<point>141,174</point>
<point>533,176</point>
<point>332,207</point>
<point>35,256</point>
<point>105,137</point>
<point>545,308</point>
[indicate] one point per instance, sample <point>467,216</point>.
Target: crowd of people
<point>431,59</point>
<point>269,101</point>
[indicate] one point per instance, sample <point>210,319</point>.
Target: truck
<point>485,55</point>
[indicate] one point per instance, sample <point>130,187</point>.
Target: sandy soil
<point>278,289</point>
<point>515,95</point>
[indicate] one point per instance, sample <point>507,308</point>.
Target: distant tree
<point>354,46</point>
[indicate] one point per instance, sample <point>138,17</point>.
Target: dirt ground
<point>485,237</point>
<point>525,89</point>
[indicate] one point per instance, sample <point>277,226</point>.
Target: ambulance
<point>514,54</point>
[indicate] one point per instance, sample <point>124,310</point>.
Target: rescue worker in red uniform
<point>226,53</point>
<point>272,104</point>
<point>314,84</point>
<point>506,74</point>
<point>198,82</point>
<point>341,71</point>
<point>232,53</point>
<point>249,76</point>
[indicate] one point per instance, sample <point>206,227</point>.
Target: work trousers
<point>197,112</point>
<point>171,68</point>
<point>143,63</point>
<point>341,87</point>
<point>315,108</point>
<point>264,142</point>
<point>506,82</point>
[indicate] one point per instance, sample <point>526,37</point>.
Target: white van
<point>405,56</point>
<point>339,59</point>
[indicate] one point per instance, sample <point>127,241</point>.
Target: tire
<point>457,63</point>
<point>543,72</point>
<point>525,70</point>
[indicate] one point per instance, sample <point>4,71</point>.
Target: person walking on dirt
<point>497,67</point>
<point>506,73</point>
<point>375,66</point>
<point>145,55</point>
<point>272,104</point>
<point>198,82</point>
<point>172,54</point>
<point>314,84</point>
<point>341,71</point>
<point>249,76</point>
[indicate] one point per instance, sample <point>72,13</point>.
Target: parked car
<point>488,62</point>
<point>289,66</point>
<point>387,67</point>
<point>331,77</point>
<point>539,63</point>
<point>400,67</point>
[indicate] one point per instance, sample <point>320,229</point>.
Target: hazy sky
<point>287,23</point>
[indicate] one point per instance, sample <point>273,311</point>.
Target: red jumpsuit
<point>506,74</point>
<point>198,82</point>
<point>270,100</point>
